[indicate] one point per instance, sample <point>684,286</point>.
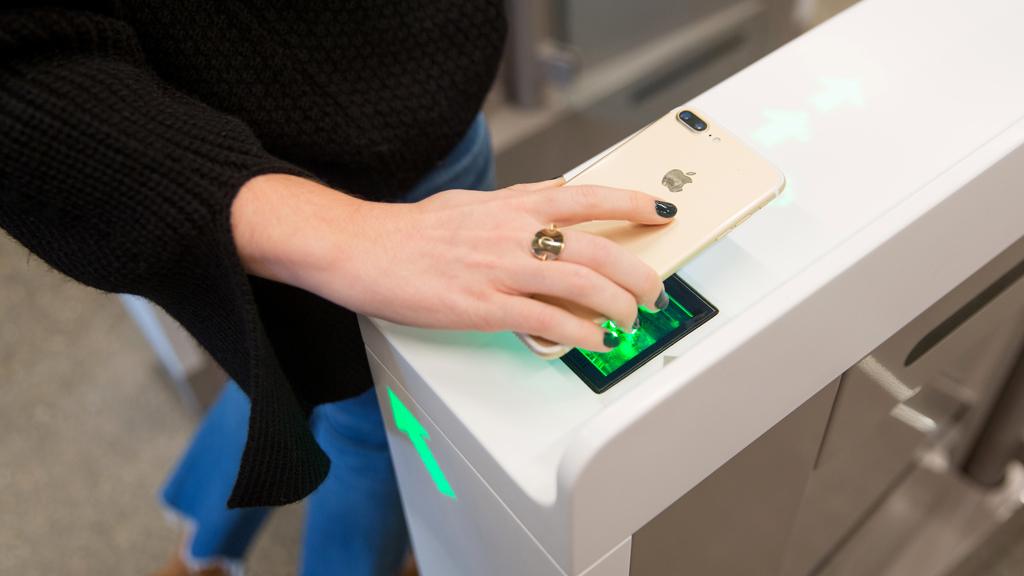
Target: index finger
<point>574,204</point>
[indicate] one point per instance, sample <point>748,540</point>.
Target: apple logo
<point>675,179</point>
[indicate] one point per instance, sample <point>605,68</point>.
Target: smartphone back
<point>715,180</point>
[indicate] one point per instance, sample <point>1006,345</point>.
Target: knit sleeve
<point>107,174</point>
<point>124,184</point>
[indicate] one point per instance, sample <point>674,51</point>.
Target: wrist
<point>285,227</point>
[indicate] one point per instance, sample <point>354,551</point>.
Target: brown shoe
<point>409,566</point>
<point>176,567</point>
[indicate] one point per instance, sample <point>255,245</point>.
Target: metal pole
<point>1000,439</point>
<point>524,84</point>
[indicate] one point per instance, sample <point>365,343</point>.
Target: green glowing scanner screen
<point>658,330</point>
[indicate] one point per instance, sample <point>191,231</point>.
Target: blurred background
<point>101,393</point>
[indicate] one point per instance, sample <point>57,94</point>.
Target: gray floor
<point>88,430</point>
<point>1002,554</point>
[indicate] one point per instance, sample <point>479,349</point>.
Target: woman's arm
<point>120,182</point>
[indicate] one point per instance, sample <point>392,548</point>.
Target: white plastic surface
<point>467,532</point>
<point>880,119</point>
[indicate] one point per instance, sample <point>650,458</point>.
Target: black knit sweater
<point>126,129</point>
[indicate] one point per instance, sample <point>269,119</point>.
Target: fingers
<point>614,262</point>
<point>574,204</point>
<point>580,285</point>
<point>528,316</point>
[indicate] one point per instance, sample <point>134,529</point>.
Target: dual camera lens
<point>693,121</point>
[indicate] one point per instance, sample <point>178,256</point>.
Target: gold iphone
<point>684,157</point>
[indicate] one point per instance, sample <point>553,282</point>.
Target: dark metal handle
<point>1001,439</point>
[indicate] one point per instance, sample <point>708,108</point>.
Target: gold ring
<point>548,243</point>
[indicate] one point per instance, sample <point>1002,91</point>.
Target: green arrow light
<point>838,92</point>
<point>782,125</point>
<point>418,435</point>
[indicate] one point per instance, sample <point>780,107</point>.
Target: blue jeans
<point>354,520</point>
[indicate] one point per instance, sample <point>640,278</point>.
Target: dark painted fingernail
<point>662,302</point>
<point>665,209</point>
<point>611,339</point>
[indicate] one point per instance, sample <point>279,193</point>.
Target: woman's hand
<point>459,259</point>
